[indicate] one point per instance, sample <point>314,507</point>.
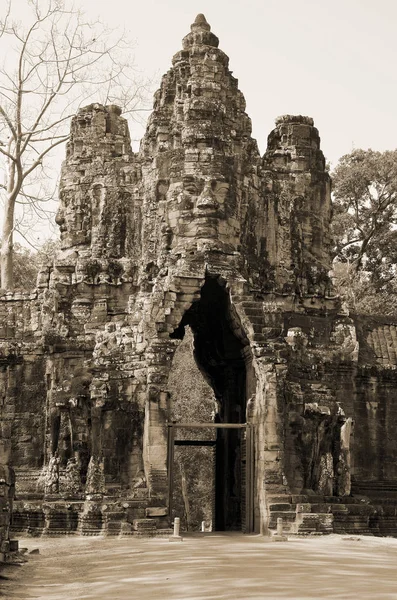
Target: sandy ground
<point>215,566</point>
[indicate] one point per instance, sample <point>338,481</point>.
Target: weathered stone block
<point>156,511</point>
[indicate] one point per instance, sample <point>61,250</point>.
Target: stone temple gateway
<point>194,233</point>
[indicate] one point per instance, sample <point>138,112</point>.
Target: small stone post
<point>202,526</point>
<point>279,526</point>
<point>176,537</point>
<point>177,525</point>
<point>279,535</point>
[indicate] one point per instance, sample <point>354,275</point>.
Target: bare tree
<point>55,61</point>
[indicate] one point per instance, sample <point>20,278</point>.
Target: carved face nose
<point>60,218</point>
<point>207,201</point>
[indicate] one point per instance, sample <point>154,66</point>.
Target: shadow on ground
<point>217,566</point>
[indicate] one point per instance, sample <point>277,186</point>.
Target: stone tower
<point>195,234</point>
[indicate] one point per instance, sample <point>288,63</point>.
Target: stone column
<point>7,490</point>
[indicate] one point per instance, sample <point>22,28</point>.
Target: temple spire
<point>200,34</point>
<point>200,22</point>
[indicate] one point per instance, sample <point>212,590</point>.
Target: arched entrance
<point>222,354</point>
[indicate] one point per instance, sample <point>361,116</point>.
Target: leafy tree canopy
<point>365,229</point>
<point>27,263</point>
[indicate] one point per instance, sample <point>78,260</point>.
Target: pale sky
<point>333,60</point>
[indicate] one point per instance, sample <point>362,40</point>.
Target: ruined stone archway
<point>222,355</point>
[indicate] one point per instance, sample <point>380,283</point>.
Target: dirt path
<point>227,567</point>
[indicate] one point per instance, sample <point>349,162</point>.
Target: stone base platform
<point>89,517</point>
<point>321,515</point>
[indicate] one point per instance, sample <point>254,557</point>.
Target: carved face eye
<point>190,188</point>
<point>65,197</point>
<point>220,190</point>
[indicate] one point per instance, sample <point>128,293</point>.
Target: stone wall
<point>7,489</point>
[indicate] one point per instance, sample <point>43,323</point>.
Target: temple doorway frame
<point>248,457</point>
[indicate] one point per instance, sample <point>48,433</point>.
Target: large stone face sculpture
<point>195,230</point>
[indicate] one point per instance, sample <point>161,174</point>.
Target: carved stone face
<point>74,219</point>
<point>196,206</point>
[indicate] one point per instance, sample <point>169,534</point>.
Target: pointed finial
<point>200,22</point>
<point>200,34</point>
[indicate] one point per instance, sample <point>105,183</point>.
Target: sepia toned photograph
<point>198,300</point>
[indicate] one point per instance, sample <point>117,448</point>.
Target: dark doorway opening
<point>220,353</point>
<point>246,465</point>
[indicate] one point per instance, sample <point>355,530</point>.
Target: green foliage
<point>45,254</point>
<point>359,292</point>
<point>25,268</point>
<point>28,263</point>
<point>365,230</point>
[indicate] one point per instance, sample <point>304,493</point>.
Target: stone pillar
<point>7,491</point>
<point>155,442</point>
<point>344,464</point>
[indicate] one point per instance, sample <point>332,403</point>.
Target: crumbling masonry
<point>194,232</point>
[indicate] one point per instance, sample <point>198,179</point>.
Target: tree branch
<point>42,155</point>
